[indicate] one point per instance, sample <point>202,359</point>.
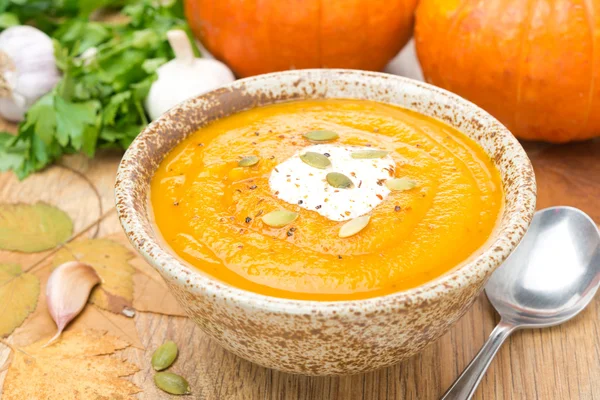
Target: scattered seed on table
<point>171,383</point>
<point>164,355</point>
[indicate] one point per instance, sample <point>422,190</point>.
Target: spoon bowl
<point>549,278</point>
<point>553,273</point>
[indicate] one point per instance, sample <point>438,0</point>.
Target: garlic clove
<point>67,292</point>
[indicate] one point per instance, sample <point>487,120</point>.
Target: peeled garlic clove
<point>67,292</point>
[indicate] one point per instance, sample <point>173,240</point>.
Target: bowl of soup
<point>325,222</point>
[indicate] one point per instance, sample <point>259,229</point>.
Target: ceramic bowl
<point>313,337</point>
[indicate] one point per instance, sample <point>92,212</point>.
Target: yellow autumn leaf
<point>78,366</point>
<point>33,227</point>
<point>111,262</point>
<point>150,292</point>
<point>18,296</point>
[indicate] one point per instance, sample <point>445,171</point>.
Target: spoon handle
<point>465,385</point>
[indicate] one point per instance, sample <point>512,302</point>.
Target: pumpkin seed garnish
<point>338,180</point>
<point>164,355</point>
<point>316,160</point>
<point>171,383</point>
<point>321,136</point>
<point>360,155</point>
<point>248,161</point>
<point>354,226</point>
<point>279,218</point>
<point>400,184</point>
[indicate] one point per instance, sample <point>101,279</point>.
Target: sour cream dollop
<point>298,183</point>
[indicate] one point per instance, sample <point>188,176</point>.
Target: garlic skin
<point>67,292</point>
<point>27,70</point>
<point>184,77</point>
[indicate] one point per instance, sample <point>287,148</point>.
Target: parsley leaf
<point>11,157</point>
<point>108,69</point>
<point>77,124</point>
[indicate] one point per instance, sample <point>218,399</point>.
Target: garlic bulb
<point>184,77</point>
<point>27,70</point>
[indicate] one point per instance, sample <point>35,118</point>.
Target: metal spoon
<point>551,276</point>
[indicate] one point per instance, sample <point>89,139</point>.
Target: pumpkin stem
<point>180,43</point>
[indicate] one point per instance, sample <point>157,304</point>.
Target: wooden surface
<point>556,363</point>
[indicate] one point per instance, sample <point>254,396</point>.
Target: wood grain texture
<point>551,364</point>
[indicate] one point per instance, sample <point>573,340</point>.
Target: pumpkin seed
<point>400,184</point>
<point>359,155</point>
<point>316,160</point>
<point>248,161</point>
<point>164,355</point>
<point>279,218</point>
<point>354,226</point>
<point>321,136</point>
<point>338,180</point>
<point>171,383</point>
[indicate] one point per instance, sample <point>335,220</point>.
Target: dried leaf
<point>110,260</point>
<point>33,227</point>
<point>19,294</point>
<point>67,292</point>
<point>40,325</point>
<point>78,366</point>
<point>150,292</point>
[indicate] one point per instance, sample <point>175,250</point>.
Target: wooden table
<point>557,363</point>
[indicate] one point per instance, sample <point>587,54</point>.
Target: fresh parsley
<point>108,68</point>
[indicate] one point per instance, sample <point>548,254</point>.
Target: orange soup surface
<point>387,200</point>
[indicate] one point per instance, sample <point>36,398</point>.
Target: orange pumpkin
<point>534,65</point>
<point>259,36</point>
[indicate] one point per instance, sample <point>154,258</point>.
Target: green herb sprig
<point>108,68</point>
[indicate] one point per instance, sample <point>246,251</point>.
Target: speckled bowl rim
<point>510,233</point>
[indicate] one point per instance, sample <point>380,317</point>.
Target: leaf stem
<point>94,189</point>
<point>14,349</point>
<point>84,230</point>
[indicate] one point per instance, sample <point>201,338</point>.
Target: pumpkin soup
<point>326,199</point>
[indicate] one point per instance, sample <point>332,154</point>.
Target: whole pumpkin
<point>533,64</point>
<point>259,36</point>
